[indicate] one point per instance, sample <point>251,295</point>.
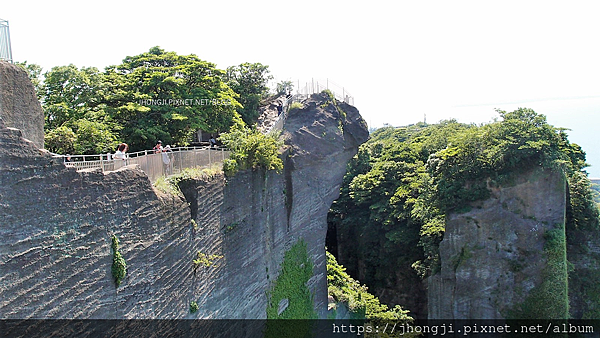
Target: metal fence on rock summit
<point>5,49</point>
<point>312,87</point>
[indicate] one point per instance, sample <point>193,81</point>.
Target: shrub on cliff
<point>119,267</point>
<point>250,149</point>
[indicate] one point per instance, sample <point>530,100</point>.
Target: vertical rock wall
<point>55,247</point>
<point>19,107</point>
<point>494,258</point>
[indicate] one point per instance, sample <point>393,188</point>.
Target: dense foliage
<point>290,287</point>
<point>250,149</point>
<point>344,288</point>
<point>403,182</point>
<point>160,95</point>
<point>156,95</point>
<point>249,80</point>
<point>76,117</point>
<point>291,284</point>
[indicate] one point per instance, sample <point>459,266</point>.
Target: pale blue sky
<point>400,60</point>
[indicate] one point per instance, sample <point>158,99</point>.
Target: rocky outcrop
<point>269,112</point>
<point>503,257</point>
<point>19,107</point>
<point>57,224</point>
<point>323,136</point>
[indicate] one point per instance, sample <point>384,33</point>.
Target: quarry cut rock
<point>57,224</point>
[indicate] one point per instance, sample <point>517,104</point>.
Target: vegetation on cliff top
<point>171,184</point>
<point>156,95</point>
<point>403,182</point>
<point>250,149</point>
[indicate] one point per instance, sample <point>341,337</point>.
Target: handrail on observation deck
<point>153,164</point>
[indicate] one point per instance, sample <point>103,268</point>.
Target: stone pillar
<point>19,107</point>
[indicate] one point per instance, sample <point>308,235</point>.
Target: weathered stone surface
<point>583,252</point>
<point>269,113</point>
<point>283,305</point>
<point>493,256</point>
<point>322,142</point>
<point>19,107</point>
<point>55,253</point>
<point>256,217</point>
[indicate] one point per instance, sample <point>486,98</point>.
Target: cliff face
<point>19,107</point>
<point>323,138</point>
<point>57,223</point>
<point>506,257</point>
<point>55,253</point>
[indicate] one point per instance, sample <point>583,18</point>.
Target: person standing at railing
<point>158,148</point>
<point>167,160</point>
<point>120,153</point>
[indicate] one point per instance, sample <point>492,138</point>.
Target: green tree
<point>73,101</point>
<point>162,95</point>
<point>60,140</point>
<point>250,81</point>
<point>94,138</point>
<point>70,94</point>
<point>34,72</point>
<point>285,87</point>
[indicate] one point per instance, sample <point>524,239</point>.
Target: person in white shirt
<point>120,153</point>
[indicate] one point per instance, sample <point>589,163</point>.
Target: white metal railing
<point>153,164</point>
<point>278,125</point>
<point>5,49</point>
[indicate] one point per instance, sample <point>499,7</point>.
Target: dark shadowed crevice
<point>189,188</point>
<point>289,187</point>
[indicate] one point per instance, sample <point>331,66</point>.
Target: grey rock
<point>19,107</point>
<point>493,256</point>
<point>283,305</point>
